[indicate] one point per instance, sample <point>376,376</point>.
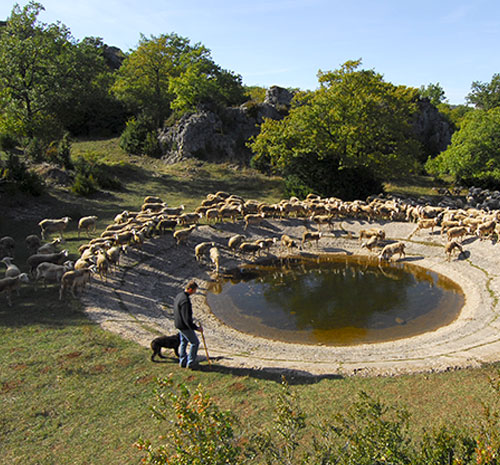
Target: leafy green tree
<point>48,80</point>
<point>354,120</point>
<point>485,95</point>
<point>474,154</point>
<point>434,92</point>
<point>167,73</point>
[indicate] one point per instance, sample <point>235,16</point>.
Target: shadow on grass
<point>293,377</point>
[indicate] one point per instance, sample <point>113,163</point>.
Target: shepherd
<point>183,320</point>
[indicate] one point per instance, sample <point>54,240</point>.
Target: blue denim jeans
<point>188,336</point>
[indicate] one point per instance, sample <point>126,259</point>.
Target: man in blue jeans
<point>183,319</point>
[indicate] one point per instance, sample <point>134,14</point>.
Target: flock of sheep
<point>101,255</point>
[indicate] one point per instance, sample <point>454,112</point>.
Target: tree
<point>434,92</point>
<point>46,76</point>
<point>474,154</point>
<point>485,95</point>
<point>167,73</point>
<point>354,120</point>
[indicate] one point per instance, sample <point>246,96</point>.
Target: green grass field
<point>72,393</point>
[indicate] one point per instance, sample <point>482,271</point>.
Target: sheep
<point>426,223</point>
<point>166,224</point>
<point>308,236</point>
<point>201,248</point>
<point>122,217</point>
<point>250,247</point>
<point>153,207</point>
<point>74,279</point>
<point>124,238</point>
<point>235,241</point>
<point>12,270</point>
<point>49,226</point>
<point>392,249</point>
<point>486,228</point>
<point>172,211</point>
<point>10,284</point>
<point>456,233</point>
<point>181,236</point>
<point>322,219</point>
<point>50,247</point>
<point>215,258</point>
<point>367,233</point>
<point>102,264</point>
<point>189,218</point>
<point>82,263</point>
<point>253,218</point>
<point>371,243</point>
<point>33,242</point>
<point>7,246</point>
<point>228,211</point>
<point>267,243</point>
<point>288,242</point>
<point>152,199</point>
<point>212,214</point>
<point>450,246</point>
<point>88,223</point>
<point>113,254</point>
<point>57,258</point>
<point>51,271</point>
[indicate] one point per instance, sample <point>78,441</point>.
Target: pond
<point>335,300</point>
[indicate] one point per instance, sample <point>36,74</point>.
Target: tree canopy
<point>434,92</point>
<point>474,154</point>
<point>167,73</point>
<point>354,120</point>
<point>42,70</point>
<point>485,95</point>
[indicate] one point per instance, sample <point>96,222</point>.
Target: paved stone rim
<point>136,303</point>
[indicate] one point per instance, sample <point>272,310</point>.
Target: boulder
<point>220,136</point>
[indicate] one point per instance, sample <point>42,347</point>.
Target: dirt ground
<point>136,302</point>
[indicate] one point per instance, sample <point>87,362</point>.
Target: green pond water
<point>339,300</point>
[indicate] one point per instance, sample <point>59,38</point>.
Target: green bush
<point>151,146</point>
<point>92,175</point>
<point>16,172</point>
<point>35,149</point>
<point>7,142</point>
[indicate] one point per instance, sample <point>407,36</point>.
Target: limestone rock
<point>222,135</point>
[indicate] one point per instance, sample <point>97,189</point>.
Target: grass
<point>74,393</point>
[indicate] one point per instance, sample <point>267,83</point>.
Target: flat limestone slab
<point>136,302</point>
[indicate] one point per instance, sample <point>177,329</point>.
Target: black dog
<point>168,342</point>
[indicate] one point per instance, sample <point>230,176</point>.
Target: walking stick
<point>205,345</point>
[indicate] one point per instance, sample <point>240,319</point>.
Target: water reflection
<point>336,300</point>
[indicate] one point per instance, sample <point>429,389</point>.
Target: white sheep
<point>201,248</point>
<point>235,241</point>
<point>253,218</point>
<point>181,236</point>
<point>50,272</point>
<point>122,217</point>
<point>50,226</point>
<point>12,270</point>
<point>392,249</point>
<point>57,258</point>
<point>74,279</point>
<point>215,258</point>
<point>88,223</point>
<point>10,284</point>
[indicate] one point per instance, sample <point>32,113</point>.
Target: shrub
<point>7,142</point>
<point>91,175</point>
<point>151,146</point>
<point>35,149</point>
<point>16,172</point>
<point>199,433</point>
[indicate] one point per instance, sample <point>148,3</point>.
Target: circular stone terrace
<point>136,302</point>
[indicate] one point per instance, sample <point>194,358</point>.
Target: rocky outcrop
<point>222,135</point>
<point>432,129</point>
